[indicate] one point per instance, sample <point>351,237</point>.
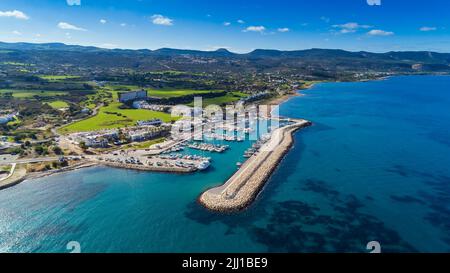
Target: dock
<point>244,186</point>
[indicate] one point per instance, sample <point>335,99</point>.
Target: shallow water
<point>373,167</point>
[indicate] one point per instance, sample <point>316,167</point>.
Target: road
<point>29,160</point>
<point>11,172</point>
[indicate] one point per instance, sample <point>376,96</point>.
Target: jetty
<point>243,187</point>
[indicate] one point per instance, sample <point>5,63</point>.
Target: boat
<point>203,165</point>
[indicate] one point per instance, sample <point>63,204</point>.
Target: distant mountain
<point>48,46</point>
<point>418,56</point>
<point>324,62</point>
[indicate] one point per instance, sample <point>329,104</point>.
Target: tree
<point>57,150</point>
<point>41,150</point>
<point>83,145</point>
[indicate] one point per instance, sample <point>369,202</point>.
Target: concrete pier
<point>243,187</point>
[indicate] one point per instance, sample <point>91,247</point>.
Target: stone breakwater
<point>243,187</point>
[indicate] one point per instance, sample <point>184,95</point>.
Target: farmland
<point>27,94</point>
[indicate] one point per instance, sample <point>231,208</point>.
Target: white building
<point>151,122</point>
<point>140,104</point>
<point>96,142</point>
<point>134,95</point>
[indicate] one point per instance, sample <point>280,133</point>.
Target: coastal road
<point>28,160</point>
<point>11,172</point>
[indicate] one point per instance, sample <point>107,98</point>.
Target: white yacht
<point>203,165</point>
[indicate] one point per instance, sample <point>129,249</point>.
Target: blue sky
<point>239,26</point>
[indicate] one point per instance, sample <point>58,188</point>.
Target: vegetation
<point>145,144</point>
<point>171,93</point>
<point>222,100</point>
<point>111,116</point>
<point>58,104</point>
<point>56,78</point>
<point>27,94</point>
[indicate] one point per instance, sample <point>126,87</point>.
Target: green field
<point>112,116</point>
<point>173,93</point>
<point>17,64</point>
<point>56,78</point>
<point>226,99</point>
<point>159,93</point>
<point>23,94</point>
<point>58,104</point>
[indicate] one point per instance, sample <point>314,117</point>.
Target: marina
<point>242,188</point>
<point>208,147</point>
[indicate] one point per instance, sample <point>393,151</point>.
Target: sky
<point>239,26</point>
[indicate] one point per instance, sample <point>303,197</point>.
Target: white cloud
<point>284,29</point>
<point>226,24</point>
<point>325,19</point>
<point>347,30</point>
<point>241,21</point>
<point>378,32</point>
<point>260,29</point>
<point>159,19</point>
<point>123,25</point>
<point>103,21</point>
<point>14,14</point>
<point>16,32</point>
<point>428,29</point>
<point>67,26</point>
<point>351,27</point>
<point>73,2</point>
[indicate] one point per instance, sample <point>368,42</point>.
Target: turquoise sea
<point>375,166</point>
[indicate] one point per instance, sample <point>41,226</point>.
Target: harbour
<point>242,188</point>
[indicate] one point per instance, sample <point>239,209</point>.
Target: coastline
<point>23,175</point>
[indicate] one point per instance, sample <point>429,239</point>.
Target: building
<point>140,104</point>
<point>132,96</point>
<point>153,122</point>
<point>99,139</point>
<point>150,132</point>
<point>142,135</point>
<point>95,142</point>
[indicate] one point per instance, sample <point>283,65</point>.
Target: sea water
<point>373,167</point>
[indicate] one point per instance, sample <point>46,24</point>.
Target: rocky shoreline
<point>21,174</point>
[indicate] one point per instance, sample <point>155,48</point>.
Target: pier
<point>243,187</point>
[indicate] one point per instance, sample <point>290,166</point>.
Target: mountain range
<point>259,60</point>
